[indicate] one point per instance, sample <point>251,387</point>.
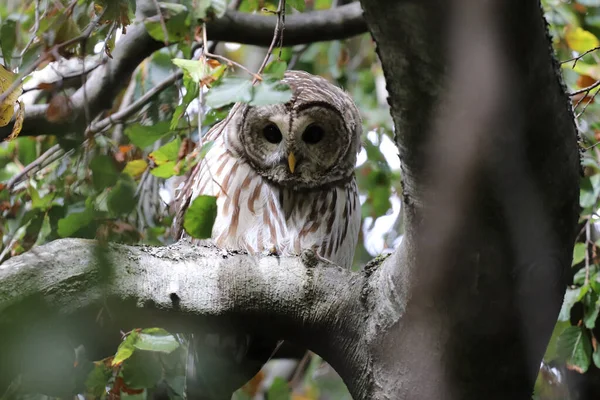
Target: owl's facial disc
<point>297,147</point>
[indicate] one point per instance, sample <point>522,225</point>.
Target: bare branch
<point>104,83</point>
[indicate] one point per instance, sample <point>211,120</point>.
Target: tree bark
<point>490,178</point>
<point>462,310</point>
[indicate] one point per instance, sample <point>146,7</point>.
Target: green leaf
<point>176,18</point>
<point>200,217</point>
<point>589,191</point>
<point>191,92</point>
<point>276,69</point>
<point>104,172</point>
<point>552,349</point>
<point>165,170</point>
<point>209,8</point>
<point>596,356</point>
<point>167,152</point>
<point>575,349</point>
<point>97,379</point>
<point>135,168</point>
<point>229,90</point>
<point>27,149</point>
<point>8,39</point>
<point>196,69</point>
<point>126,348</point>
<point>41,202</point>
<point>206,148</point>
<point>73,222</point>
<point>579,253</point>
<point>571,297</point>
<point>579,277</point>
<point>156,339</point>
<point>142,370</point>
<point>591,308</point>
<point>143,135</point>
<point>134,396</point>
<point>270,92</point>
<point>121,199</point>
<point>580,40</point>
<point>297,4</point>
<point>279,390</point>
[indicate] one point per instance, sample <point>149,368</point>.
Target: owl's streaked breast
<point>257,216</point>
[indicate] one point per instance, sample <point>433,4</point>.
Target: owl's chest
<point>256,216</point>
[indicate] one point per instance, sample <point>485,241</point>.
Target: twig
<point>36,27</point>
<point>96,127</point>
<point>590,101</point>
<point>587,255</point>
<point>163,25</point>
<point>576,59</point>
<point>585,89</point>
<point>280,9</point>
<point>278,31</point>
<point>33,165</point>
<point>231,62</point>
<point>86,33</point>
<point>121,115</point>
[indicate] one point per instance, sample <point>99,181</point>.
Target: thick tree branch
<point>315,26</point>
<point>94,292</point>
<point>105,82</point>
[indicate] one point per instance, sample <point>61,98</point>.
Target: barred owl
<point>284,174</point>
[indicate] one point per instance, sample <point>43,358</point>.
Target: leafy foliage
<point>117,185</point>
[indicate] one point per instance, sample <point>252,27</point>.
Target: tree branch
<point>182,288</point>
<point>105,82</point>
<point>314,26</point>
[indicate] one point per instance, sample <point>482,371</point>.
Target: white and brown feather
<point>257,215</point>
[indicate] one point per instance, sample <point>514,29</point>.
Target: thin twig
<point>231,62</point>
<point>36,27</point>
<point>94,128</point>
<point>587,255</point>
<point>33,165</point>
<point>163,24</point>
<point>123,114</point>
<point>86,33</point>
<point>579,57</point>
<point>280,10</point>
<point>590,101</point>
<point>585,89</point>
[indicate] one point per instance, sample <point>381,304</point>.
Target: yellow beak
<point>292,162</point>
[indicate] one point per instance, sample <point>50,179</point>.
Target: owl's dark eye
<point>272,134</point>
<point>313,134</point>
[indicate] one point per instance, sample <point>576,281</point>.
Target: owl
<point>283,174</point>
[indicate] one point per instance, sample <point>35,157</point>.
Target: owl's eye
<point>272,134</point>
<point>313,134</point>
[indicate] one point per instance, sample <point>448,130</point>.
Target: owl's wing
<point>248,214</point>
<point>188,188</point>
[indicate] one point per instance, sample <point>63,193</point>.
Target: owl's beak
<point>292,162</point>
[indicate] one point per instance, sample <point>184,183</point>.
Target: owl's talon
<point>272,251</point>
<point>312,258</point>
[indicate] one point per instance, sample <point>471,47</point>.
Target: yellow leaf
<point>18,121</point>
<point>581,40</point>
<point>135,167</point>
<point>7,107</point>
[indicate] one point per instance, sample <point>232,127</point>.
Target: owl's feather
<point>256,214</point>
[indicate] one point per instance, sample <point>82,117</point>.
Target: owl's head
<point>308,142</point>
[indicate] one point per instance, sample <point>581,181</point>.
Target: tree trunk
<point>490,177</point>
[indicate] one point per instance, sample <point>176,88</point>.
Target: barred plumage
<point>263,204</point>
